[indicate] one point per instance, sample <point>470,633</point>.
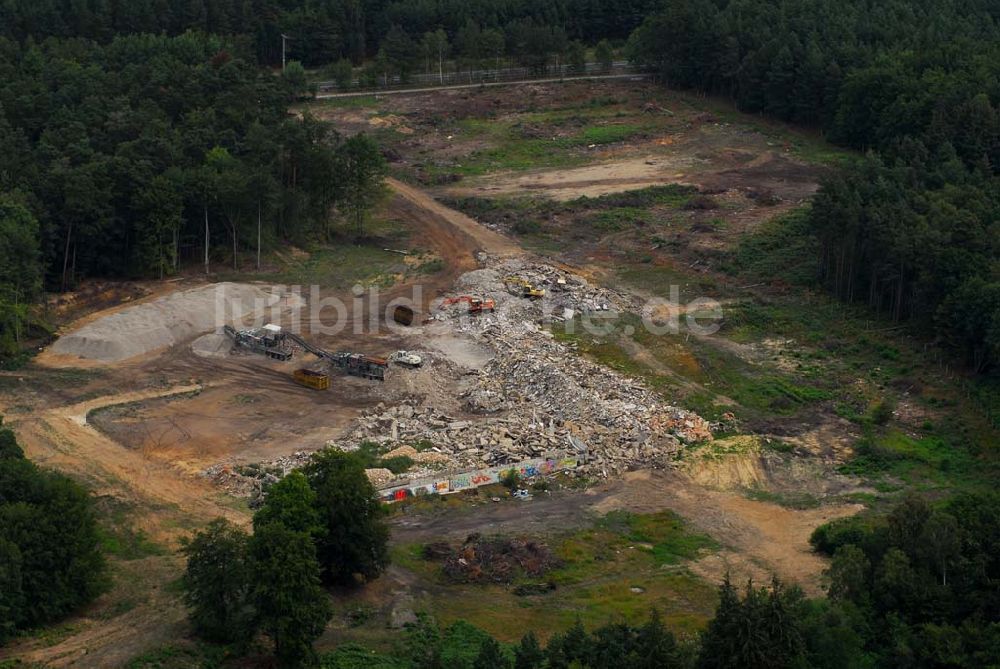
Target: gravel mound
<point>213,345</point>
<point>166,321</point>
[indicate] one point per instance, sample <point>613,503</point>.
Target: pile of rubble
<point>536,395</point>
<point>533,397</point>
<point>542,397</point>
<point>566,294</point>
<point>253,479</point>
<point>459,443</point>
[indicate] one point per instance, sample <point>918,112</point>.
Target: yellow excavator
<point>526,288</point>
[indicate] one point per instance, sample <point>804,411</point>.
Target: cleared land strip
<point>485,84</point>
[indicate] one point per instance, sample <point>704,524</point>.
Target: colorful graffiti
<point>469,480</point>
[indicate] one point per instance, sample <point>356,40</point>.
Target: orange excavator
<point>477,305</point>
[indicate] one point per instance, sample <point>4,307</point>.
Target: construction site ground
<point>484,178</point>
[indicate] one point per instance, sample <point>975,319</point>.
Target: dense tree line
<point>923,582</point>
<point>50,558</point>
<point>324,524</point>
<point>125,159</point>
<point>321,31</point>
<point>912,230</point>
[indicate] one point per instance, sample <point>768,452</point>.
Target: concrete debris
<point>379,476</point>
<point>253,480</point>
<point>420,457</point>
<point>535,394</point>
<point>531,395</point>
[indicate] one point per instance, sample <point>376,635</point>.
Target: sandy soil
<point>163,322</point>
<point>446,228</point>
<point>63,439</point>
<point>156,439</point>
<point>786,178</point>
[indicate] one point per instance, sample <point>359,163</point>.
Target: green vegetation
<point>922,578</point>
<point>166,152</point>
<point>353,546</point>
<point>906,589</point>
<point>910,229</point>
<point>618,568</point>
<point>177,656</point>
<point>20,274</point>
<point>784,248</point>
<point>50,558</point>
<point>325,524</point>
<point>665,532</point>
<point>118,537</point>
<point>370,454</point>
<point>542,222</point>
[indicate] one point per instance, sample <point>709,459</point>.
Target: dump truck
<point>312,379</point>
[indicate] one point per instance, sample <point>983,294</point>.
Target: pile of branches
<point>493,559</point>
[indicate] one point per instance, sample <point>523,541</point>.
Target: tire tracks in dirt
<point>168,503</point>
<point>63,439</point>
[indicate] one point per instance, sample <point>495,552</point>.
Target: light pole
<point>284,37</point>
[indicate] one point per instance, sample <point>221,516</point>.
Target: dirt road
<point>61,438</point>
<point>170,502</point>
<point>450,231</point>
<point>487,84</point>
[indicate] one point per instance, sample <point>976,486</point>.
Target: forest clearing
<point>565,372</point>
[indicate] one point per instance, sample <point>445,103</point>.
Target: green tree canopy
<point>290,605</point>
<point>355,543</point>
<point>217,583</point>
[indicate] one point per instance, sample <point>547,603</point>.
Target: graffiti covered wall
<point>452,483</point>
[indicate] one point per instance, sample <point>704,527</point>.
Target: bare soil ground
<point>760,538</point>
<point>157,421</point>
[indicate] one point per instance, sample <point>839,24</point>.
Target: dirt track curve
<point>170,502</point>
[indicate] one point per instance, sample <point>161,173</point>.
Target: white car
<point>406,359</point>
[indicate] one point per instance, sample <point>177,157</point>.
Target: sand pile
<point>168,320</point>
<point>213,345</point>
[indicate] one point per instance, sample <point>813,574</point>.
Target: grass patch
<point>352,102</point>
<point>619,218</point>
<point>431,266</point>
<point>665,532</point>
<point>177,656</point>
<point>893,451</point>
<point>118,537</point>
<point>607,134</point>
<point>341,266</point>
<point>790,500</point>
<point>371,455</point>
<point>784,248</point>
<point>602,564</point>
<point>670,195</point>
<point>517,155</point>
<point>355,656</point>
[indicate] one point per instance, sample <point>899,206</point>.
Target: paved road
<point>404,91</point>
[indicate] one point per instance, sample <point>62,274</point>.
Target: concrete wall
<point>457,482</point>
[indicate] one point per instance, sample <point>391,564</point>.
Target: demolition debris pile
<point>535,395</point>
<point>542,397</point>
